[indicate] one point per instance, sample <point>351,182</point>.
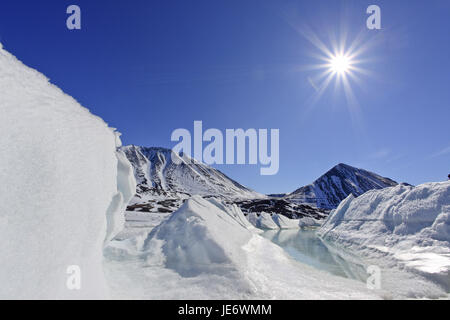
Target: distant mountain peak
<point>344,165</point>
<point>336,184</point>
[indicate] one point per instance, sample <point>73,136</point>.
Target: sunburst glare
<point>340,64</point>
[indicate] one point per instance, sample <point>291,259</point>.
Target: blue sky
<point>149,67</point>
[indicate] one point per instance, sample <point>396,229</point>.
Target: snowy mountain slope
<point>164,184</point>
<point>335,185</point>
<point>403,226</point>
<point>63,189</point>
<point>203,251</point>
<point>159,177</point>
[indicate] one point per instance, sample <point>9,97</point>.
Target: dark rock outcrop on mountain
<point>280,206</point>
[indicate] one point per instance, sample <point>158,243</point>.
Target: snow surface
<point>63,188</point>
<point>234,211</point>
<point>274,221</point>
<point>403,226</point>
<point>263,220</point>
<point>126,185</point>
<point>204,252</point>
<point>284,222</point>
<point>309,222</point>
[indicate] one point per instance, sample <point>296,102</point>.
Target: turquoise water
<point>306,247</point>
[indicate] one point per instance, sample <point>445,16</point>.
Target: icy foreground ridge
<point>63,188</point>
<point>408,226</point>
<point>207,250</point>
<point>336,184</point>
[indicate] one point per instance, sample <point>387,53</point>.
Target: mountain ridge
<point>336,184</point>
<point>165,180</point>
<point>162,173</point>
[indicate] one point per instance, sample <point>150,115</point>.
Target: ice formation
<point>203,251</point>
<point>63,189</point>
<point>402,226</point>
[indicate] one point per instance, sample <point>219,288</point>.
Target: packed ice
<point>63,189</point>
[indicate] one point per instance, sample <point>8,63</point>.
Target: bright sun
<point>340,64</point>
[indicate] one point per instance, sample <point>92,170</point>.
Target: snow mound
<point>410,226</point>
<point>274,221</point>
<point>262,221</point>
<point>195,242</point>
<point>63,188</point>
<point>234,211</point>
<point>309,222</point>
<point>204,252</point>
<point>285,223</point>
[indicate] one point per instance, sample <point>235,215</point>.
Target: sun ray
<point>340,63</point>
<point>321,89</point>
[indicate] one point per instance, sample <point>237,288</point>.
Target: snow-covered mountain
<point>336,184</point>
<point>162,174</point>
<point>165,179</point>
